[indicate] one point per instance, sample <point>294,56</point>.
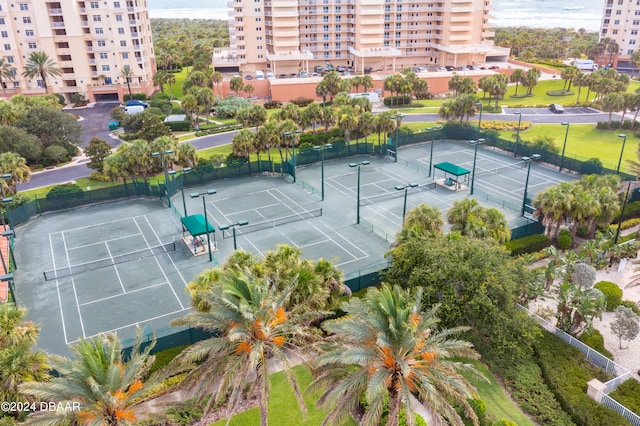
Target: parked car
<point>270,75</point>
<point>441,69</point>
<point>494,67</point>
<point>419,69</point>
<point>136,102</point>
<point>303,74</point>
<point>248,77</point>
<point>556,108</point>
<point>282,76</point>
<point>293,75</point>
<point>328,67</point>
<point>450,68</point>
<point>315,74</point>
<point>341,68</point>
<point>318,68</point>
<point>259,75</point>
<point>133,109</point>
<point>367,70</point>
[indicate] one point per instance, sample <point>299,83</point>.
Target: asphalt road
<point>96,121</point>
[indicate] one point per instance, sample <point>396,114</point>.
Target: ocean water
<point>585,14</point>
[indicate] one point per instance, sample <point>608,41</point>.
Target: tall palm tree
<point>39,64</point>
<point>171,80</point>
<point>190,106</point>
<point>267,138</point>
<point>127,74</point>
<point>217,78</point>
<point>367,82</point>
<point>6,72</point>
<point>160,79</point>
<point>516,77</point>
<point>251,323</point>
<point>347,121</point>
<point>100,379</point>
<point>421,221</point>
<point>243,145</point>
<point>13,164</point>
<point>186,155</point>
<point>388,348</point>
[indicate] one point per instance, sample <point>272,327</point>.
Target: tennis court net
<point>512,168</point>
<point>395,194</point>
<point>111,261</point>
<point>272,223</point>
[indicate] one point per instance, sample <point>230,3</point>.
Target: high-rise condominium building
<point>91,42</point>
<point>620,23</point>
<point>285,36</point>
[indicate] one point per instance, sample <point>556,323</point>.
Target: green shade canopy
<point>451,169</point>
<point>195,225</point>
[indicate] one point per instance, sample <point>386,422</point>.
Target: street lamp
<point>433,135</point>
<point>406,189</point>
<point>479,106</point>
<point>515,149</point>
<point>475,154</point>
<point>528,160</point>
<point>362,163</point>
<point>624,141</point>
<point>397,117</point>
<point>206,220</point>
<point>185,172</point>
<point>322,149</point>
<point>564,145</point>
<point>233,227</point>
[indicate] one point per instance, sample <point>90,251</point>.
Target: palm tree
<point>13,164</point>
<point>171,80</point>
<point>140,153</point>
<point>367,82</point>
<point>421,221</point>
<point>267,138</point>
<point>186,155</point>
<point>236,84</point>
<point>383,124</point>
<point>127,74</point>
<point>39,64</point>
<point>6,72</point>
<point>217,78</point>
<point>160,79</point>
<point>611,103</point>
<point>249,89</point>
<point>313,115</point>
<point>243,145</point>
<point>99,379</point>
<point>251,323</point>
<point>347,121</point>
<point>388,348</point>
<point>190,106</point>
<point>634,59</point>
<point>516,77</point>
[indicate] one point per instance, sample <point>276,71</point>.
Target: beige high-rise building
<point>89,41</point>
<point>620,23</point>
<point>286,36</point>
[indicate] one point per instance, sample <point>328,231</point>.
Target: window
<point>339,27</point>
<point>102,43</point>
<point>259,38</point>
<point>636,22</point>
<point>1,21</point>
<point>325,45</point>
<point>95,5</point>
<point>326,55</point>
<point>116,4</point>
<point>398,26</point>
<point>398,43</point>
<point>24,6</point>
<point>125,55</point>
<point>325,28</point>
<point>40,83</point>
<point>118,18</point>
<point>97,18</point>
<point>260,56</point>
<point>616,22</point>
<point>260,47</point>
<point>123,43</point>
<point>4,34</point>
<point>16,84</point>
<point>32,45</point>
<point>26,19</point>
<point>325,37</point>
<point>29,33</point>
<point>614,32</point>
<point>338,45</point>
<point>7,46</point>
<point>99,30</point>
<point>629,52</point>
<point>338,54</point>
<point>104,55</point>
<point>258,19</point>
<point>120,30</point>
<point>10,59</point>
<point>632,42</point>
<point>399,8</point>
<point>386,43</point>
<point>398,16</point>
<point>634,32</point>
<point>397,34</point>
<point>338,9</point>
<point>257,9</point>
<point>106,68</point>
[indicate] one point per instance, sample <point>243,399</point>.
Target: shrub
<point>155,111</point>
<point>100,177</point>
<point>594,339</point>
<point>159,103</point>
<point>566,373</point>
<point>632,210</point>
<point>177,109</point>
<point>138,96</point>
<point>612,294</point>
<point>631,305</point>
<point>118,114</point>
<point>161,96</point>
<point>627,124</point>
<point>628,394</point>
<point>564,239</point>
<point>272,105</point>
<point>614,125</point>
<point>397,100</point>
<point>179,126</point>
<point>591,166</point>
<point>77,98</point>
<point>301,101</point>
<point>626,224</point>
<point>528,244</point>
<point>164,357</point>
<point>65,195</point>
<point>504,422</point>
<point>186,413</point>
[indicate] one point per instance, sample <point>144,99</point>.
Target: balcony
<point>89,48</point>
<point>139,60</point>
<point>134,35</point>
<point>137,47</point>
<point>84,23</point>
<point>82,10</point>
<point>92,61</point>
<point>132,22</point>
<point>55,11</point>
<point>57,24</point>
<point>130,9</point>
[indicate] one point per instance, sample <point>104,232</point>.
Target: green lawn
<point>177,87</point>
<point>585,141</point>
<point>283,405</point>
<point>499,405</point>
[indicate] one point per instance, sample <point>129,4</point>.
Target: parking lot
<point>547,111</point>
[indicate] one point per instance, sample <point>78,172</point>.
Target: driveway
<point>95,122</point>
<point>547,111</point>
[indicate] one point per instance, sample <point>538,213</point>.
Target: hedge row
<point>626,224</point>
<point>566,373</point>
<point>528,244</point>
<point>595,340</point>
<point>628,394</point>
<point>219,130</point>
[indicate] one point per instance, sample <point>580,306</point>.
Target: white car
<point>270,75</point>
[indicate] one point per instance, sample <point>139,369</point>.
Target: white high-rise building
<point>620,23</point>
<point>89,41</point>
<point>289,35</point>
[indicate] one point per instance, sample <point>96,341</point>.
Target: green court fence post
<point>564,145</point>
<point>37,201</point>
<point>624,141</point>
<point>515,148</point>
<point>479,106</point>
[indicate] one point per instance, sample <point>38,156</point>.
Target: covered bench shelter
<point>196,226</point>
<point>452,174</point>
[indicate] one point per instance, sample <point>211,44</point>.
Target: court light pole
<point>322,149</point>
<point>564,145</point>
<point>515,149</point>
<point>362,163</point>
<point>6,201</point>
<point>206,220</point>
<point>8,234</point>
<point>479,106</point>
<point>233,226</point>
<point>4,177</point>
<point>397,117</point>
<point>624,141</point>
<point>164,163</point>
<point>406,189</point>
<point>529,160</point>
<point>185,172</point>
<point>475,155</point>
<point>433,135</point>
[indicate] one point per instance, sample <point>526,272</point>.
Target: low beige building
<point>89,41</point>
<point>287,36</point>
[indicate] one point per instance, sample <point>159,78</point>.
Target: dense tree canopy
<point>52,127</point>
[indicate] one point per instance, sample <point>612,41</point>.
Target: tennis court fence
<point>388,195</point>
<point>110,261</point>
<point>272,223</point>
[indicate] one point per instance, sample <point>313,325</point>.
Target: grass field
<point>585,141</point>
<point>177,86</point>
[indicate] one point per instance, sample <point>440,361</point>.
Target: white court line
<point>313,244</point>
<point>168,255</point>
<point>290,199</point>
<point>220,211</point>
<point>255,208</point>
<point>339,245</point>
<point>123,294</point>
<point>132,324</point>
<point>103,241</point>
<point>116,268</point>
<point>331,179</point>
<point>287,238</point>
<point>101,224</point>
<point>73,284</point>
<point>252,245</point>
<point>243,195</point>
<point>53,259</point>
<point>157,262</point>
<point>329,183</point>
